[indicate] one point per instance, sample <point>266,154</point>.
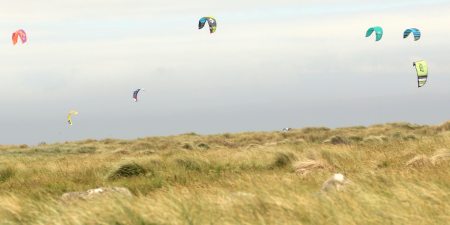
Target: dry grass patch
<point>438,157</point>
<point>309,166</point>
<point>420,161</point>
<point>122,152</point>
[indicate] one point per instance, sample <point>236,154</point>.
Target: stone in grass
<point>104,191</point>
<point>336,183</point>
<point>96,193</point>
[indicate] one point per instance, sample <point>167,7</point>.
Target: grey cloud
<point>262,74</point>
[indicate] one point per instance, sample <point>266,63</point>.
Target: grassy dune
<point>400,171</point>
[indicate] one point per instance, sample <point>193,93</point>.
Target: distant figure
<point>286,129</point>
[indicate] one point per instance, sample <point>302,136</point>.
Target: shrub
<point>127,142</point>
<point>126,169</point>
<point>355,138</point>
<point>202,145</point>
<point>191,163</point>
<point>23,146</point>
<point>410,137</point>
<point>228,144</point>
<point>444,126</point>
<point>283,159</point>
<point>308,130</point>
<point>55,149</point>
<point>86,149</point>
<point>401,125</point>
<point>6,173</point>
<point>335,140</point>
<point>187,146</point>
<point>87,141</point>
<point>376,126</point>
<point>398,134</point>
<point>383,165</point>
<point>107,141</point>
<point>142,146</point>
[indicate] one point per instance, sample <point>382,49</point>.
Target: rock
<point>110,191</point>
<point>91,194</point>
<point>73,196</point>
<point>336,183</point>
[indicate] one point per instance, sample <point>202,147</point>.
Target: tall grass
<point>399,170</point>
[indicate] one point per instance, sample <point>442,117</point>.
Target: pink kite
<point>20,33</point>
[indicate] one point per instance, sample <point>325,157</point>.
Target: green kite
<point>378,32</point>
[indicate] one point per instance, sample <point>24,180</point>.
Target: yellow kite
<point>68,118</point>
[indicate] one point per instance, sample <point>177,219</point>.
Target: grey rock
<point>336,183</point>
<point>96,193</point>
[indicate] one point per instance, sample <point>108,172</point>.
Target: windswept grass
<point>399,170</point>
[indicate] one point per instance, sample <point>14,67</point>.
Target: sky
<point>270,65</point>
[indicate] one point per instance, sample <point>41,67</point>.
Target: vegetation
<point>400,173</point>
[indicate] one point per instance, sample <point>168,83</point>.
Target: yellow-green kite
<point>422,72</point>
<point>68,118</point>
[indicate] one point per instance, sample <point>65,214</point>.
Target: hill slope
<point>399,170</point>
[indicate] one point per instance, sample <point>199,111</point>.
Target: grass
<point>400,173</point>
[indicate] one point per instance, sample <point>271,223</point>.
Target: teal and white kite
<point>378,32</point>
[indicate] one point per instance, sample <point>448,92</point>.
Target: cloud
<point>267,61</point>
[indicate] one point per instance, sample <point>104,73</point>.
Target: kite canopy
<point>211,21</point>
<point>68,118</point>
<point>422,72</point>
<point>20,33</point>
<point>415,31</point>
<point>136,92</point>
<point>378,32</point>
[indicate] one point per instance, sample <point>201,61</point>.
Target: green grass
<point>400,172</point>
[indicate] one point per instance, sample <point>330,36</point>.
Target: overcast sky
<point>270,64</point>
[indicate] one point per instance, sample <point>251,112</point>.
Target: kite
<point>135,93</point>
<point>211,21</point>
<point>20,33</point>
<point>286,129</point>
<point>415,31</point>
<point>378,32</point>
<point>422,72</point>
<point>68,118</point>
